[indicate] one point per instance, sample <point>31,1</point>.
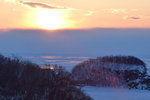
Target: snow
<point>116,66</point>
<point>99,93</point>
<point>147,61</point>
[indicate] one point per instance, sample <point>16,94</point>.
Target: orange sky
<point>62,14</point>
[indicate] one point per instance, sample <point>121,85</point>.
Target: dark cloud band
<point>40,5</point>
<point>135,18</point>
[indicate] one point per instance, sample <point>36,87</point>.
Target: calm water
<point>66,61</point>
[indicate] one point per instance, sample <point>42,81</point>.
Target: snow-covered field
<point>99,93</point>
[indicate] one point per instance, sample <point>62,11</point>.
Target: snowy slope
<point>98,93</point>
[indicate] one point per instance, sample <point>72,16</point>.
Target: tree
<point>113,71</point>
<point>23,80</point>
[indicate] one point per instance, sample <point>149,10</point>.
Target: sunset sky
<point>74,14</point>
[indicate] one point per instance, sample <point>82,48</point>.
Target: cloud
<point>40,5</point>
<point>132,17</point>
<point>89,13</point>
<point>115,11</point>
<point>120,10</point>
<point>135,18</point>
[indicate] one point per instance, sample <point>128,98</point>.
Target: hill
<point>112,71</point>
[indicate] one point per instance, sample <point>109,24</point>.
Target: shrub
<point>23,80</point>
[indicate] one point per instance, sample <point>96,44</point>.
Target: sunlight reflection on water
<point>66,61</point>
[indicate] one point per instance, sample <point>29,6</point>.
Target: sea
<point>68,62</point>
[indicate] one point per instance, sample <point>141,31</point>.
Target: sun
<point>50,19</point>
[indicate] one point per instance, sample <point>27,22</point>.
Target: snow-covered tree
<point>114,71</point>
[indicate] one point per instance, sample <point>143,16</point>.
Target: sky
<point>74,14</point>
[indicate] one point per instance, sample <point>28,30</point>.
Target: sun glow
<point>10,0</point>
<point>51,19</point>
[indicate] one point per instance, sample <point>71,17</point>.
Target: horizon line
<point>68,29</point>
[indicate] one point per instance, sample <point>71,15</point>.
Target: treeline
<point>23,80</point>
<point>122,60</point>
<point>112,71</point>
